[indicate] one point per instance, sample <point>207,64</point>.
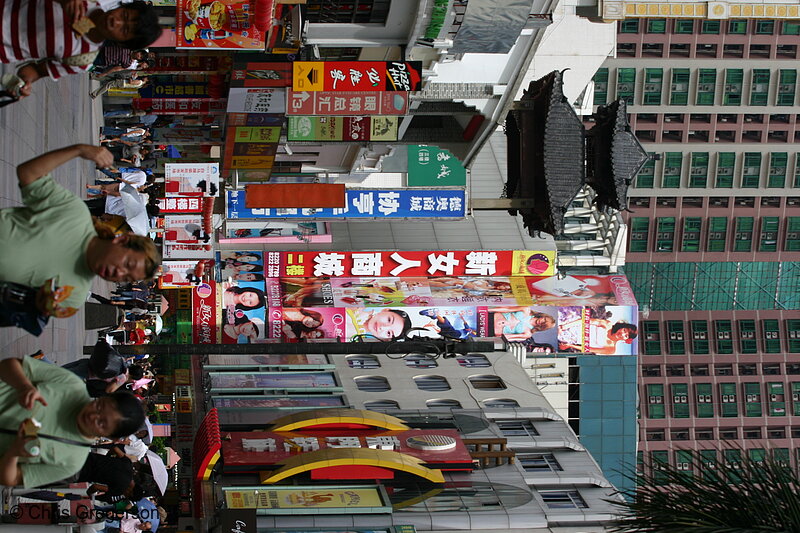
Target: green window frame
<point>728,400</point>
<point>765,27</point>
<point>795,388</point>
<point>626,84</point>
<point>699,337</point>
<point>787,86</point>
<point>698,170</point>
<point>652,337</point>
<point>601,86</point>
<point>733,457</point>
<point>792,241</point>
<point>778,164</point>
<point>708,458</point>
<point>706,85</point>
<point>640,231</point>
<point>747,336</point>
<point>653,86</point>
<point>737,27</point>
<point>790,27</point>
<point>768,238</point>
<point>665,234</point>
<point>704,400</point>
<point>659,460</point>
<point>646,177</point>
<point>655,401</point>
<point>683,26</point>
<point>772,335</point>
<point>629,26</point>
<point>759,89</point>
<point>796,170</point>
<point>757,455</point>
<point>734,79</point>
<point>717,234</point>
<point>781,456</point>
<point>710,27</point>
<point>743,238</point>
<point>676,340</point>
<point>679,87</point>
<point>723,332</point>
<point>690,241</point>
<point>793,334</point>
<point>726,166</point>
<point>777,399</point>
<point>680,400</point>
<point>752,399</point>
<point>684,461</point>
<point>656,25</point>
<point>751,170</point>
<point>671,178</point>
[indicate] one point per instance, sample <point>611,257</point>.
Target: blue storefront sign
<point>366,204</point>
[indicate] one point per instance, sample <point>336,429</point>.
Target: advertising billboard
<point>357,76</point>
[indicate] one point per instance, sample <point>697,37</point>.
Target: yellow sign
<point>533,263</point>
<point>293,498</point>
<point>308,76</point>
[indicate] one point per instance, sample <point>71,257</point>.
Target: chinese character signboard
<point>220,24</point>
<point>256,100</point>
<point>185,229</point>
<point>180,106</point>
<point>419,263</point>
<point>262,75</point>
<point>204,314</point>
<point>191,179</point>
<point>366,203</point>
<point>252,148</point>
<point>180,205</point>
<point>362,103</point>
<point>431,166</point>
<point>163,88</point>
<point>342,128</point>
<point>357,76</point>
<point>291,500</point>
<point>178,274</point>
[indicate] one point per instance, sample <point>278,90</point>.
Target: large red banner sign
<point>357,76</point>
<point>204,314</point>
<point>347,103</point>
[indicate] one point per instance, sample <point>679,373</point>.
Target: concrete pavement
<point>57,114</point>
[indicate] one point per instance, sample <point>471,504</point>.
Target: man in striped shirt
<point>43,30</point>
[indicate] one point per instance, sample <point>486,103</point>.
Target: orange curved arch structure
<point>328,457</point>
<point>304,419</point>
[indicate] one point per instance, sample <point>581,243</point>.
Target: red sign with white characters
<point>417,263</point>
<point>180,205</point>
<point>346,103</point>
<point>204,314</point>
<point>181,106</point>
<point>357,76</point>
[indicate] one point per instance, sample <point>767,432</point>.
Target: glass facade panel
<point>726,163</point>
<point>734,78</point>
<point>672,170</point>
<point>706,85</point>
<point>653,85</point>
<point>679,87</point>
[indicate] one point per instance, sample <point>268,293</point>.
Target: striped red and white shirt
<point>39,29</point>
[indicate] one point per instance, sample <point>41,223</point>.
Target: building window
<point>743,241</point>
<point>729,434</point>
<point>539,462</point>
<point>672,170</point>
<point>759,90</point>
<point>376,405</point>
<point>726,163</point>
<point>787,84</point>
<point>626,81</point>
<point>500,403</point>
<point>792,242</point>
<point>473,360</point>
<point>665,234</point>
<point>717,234</point>
<point>704,434</point>
<point>679,88</point>
<point>362,361</point>
<point>420,360</point>
<point>699,336</point>
<point>793,336</point>
<point>346,12</point>
<point>676,337</point>
<point>728,400</point>
<point>765,27</point>
<point>706,86</point>
<point>737,27</point>
<point>734,78</point>
<point>777,399</point>
<point>790,27</point>
<point>768,239</point>
<point>778,161</point>
<point>431,383</point>
<point>487,382</point>
<point>656,25</point>
<point>646,177</point>
<point>653,82</point>
<point>710,27</point>
<point>724,336</point>
<point>752,399</point>
<point>795,387</point>
<point>516,428</point>
<point>771,369</point>
<point>680,401</point>
<point>699,370</point>
<point>372,383</point>
<point>751,171</point>
<point>443,404</point>
<point>654,435</point>
<point>704,404</point>
<point>652,337</point>
<point>654,371</point>
<point>747,336</point>
<point>601,86</point>
<point>629,26</point>
<point>640,227</point>
<point>655,401</point>
<point>676,370</point>
<point>563,499</point>
<point>698,171</point>
<point>772,336</point>
<point>723,369</point>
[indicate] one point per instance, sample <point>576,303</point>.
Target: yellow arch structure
<point>351,456</point>
<point>304,419</point>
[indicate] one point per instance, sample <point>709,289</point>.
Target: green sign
<point>431,166</point>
